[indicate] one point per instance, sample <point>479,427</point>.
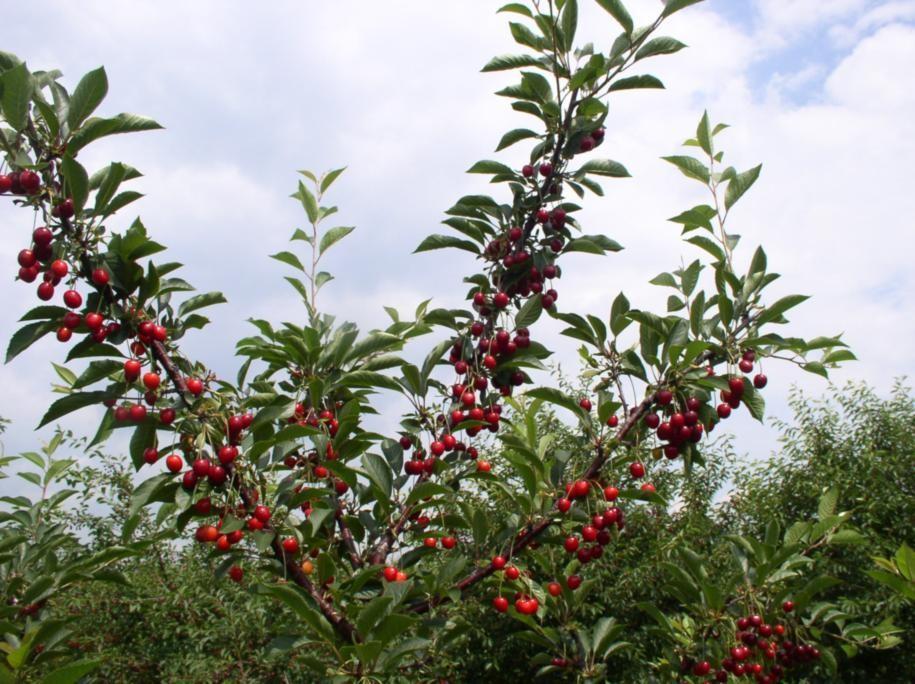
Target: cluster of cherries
<point>20,183</point>
<point>762,652</point>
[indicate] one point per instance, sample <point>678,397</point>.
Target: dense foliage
<point>376,550</point>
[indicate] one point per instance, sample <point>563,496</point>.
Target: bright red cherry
<point>132,368</point>
<point>64,210</point>
<point>637,470</point>
<point>151,455</point>
<point>580,489</point>
<point>571,544</point>
<point>736,385</point>
<point>262,513</point>
<point>30,182</point>
<point>59,268</point>
<point>563,505</point>
<point>64,334</point>
<point>174,463</point>
<point>498,562</point>
<point>745,366</point>
<point>291,545</point>
<point>430,542</point>
<point>73,299</point>
<point>546,169</point>
<point>227,454</point>
<point>390,573</point>
<point>195,386</point>
<point>45,291</point>
<point>484,466</point>
<point>573,582</point>
<point>760,381</point>
<point>512,573</point>
<point>723,411</point>
<point>151,380</point>
<point>236,574</point>
<point>554,588</point>
<point>100,277</point>
<point>613,421</point>
<point>94,320</point>
<point>585,404</point>
<point>6,183</point>
<point>500,603</point>
<point>27,258</point>
<point>611,493</point>
<point>167,416</point>
<point>138,413</point>
<point>449,542</point>
<point>788,606</point>
<point>500,300</point>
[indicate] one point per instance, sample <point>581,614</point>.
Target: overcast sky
<point>820,93</point>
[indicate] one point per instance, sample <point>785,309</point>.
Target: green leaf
<point>634,82</point>
<point>378,472</point>
<point>17,92</point>
<point>444,241</point>
<point>70,403</point>
<point>296,600</point>
<point>289,259</point>
<point>309,203</point>
<point>524,36</point>
<point>529,312</point>
<point>96,128</point>
<point>659,46</point>
<point>89,93</point>
<point>200,301</point>
<point>618,318</point>
<point>774,311</point>
<point>72,673</point>
<point>739,184</point>
<point>568,22</point>
<point>555,396</point>
<point>333,236</point>
<point>690,167</point>
<point>516,135</point>
<point>488,166</point>
<point>329,177</point>
<point>704,134</point>
<point>77,181</point>
<point>618,11</point>
<point>28,335</point>
<point>604,167</point>
<point>676,5</point>
<point>108,185</point>
<point>826,506</point>
<point>505,62</point>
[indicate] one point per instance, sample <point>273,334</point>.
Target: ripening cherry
<point>390,573</point>
<point>28,275</point>
<point>500,603</point>
<point>94,321</point>
<point>611,493</point>
<point>45,291</point>
<point>151,455</point>
<point>637,470</point>
<point>648,487</point>
<point>760,381</point>
<point>702,668</point>
<point>217,475</point>
<point>6,183</point>
<point>291,545</point>
<point>64,334</point>
<point>498,562</point>
<point>138,413</point>
<point>563,505</point>
<point>554,588</point>
<point>167,416</point>
<point>151,381</point>
<point>571,544</point>
<point>121,413</point>
<point>573,582</point>
<point>236,574</point>
<point>72,320</point>
<point>449,542</point>
<point>189,480</point>
<point>527,606</point>
<point>262,513</point>
<point>430,542</point>
<point>195,386</point>
<point>512,573</point>
<point>484,466</point>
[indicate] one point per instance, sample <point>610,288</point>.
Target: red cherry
<point>236,573</point>
<point>723,411</point>
<point>563,505</point>
<point>449,542</point>
<point>648,487</point>
<point>585,404</point>
<point>745,366</point>
<point>613,421</point>
<point>30,182</point>
<point>217,475</point>
<point>500,603</point>
<point>262,513</point>
<point>166,416</point>
<point>291,545</point>
<point>151,455</point>
<point>760,381</point>
<point>195,387</point>
<point>174,463</point>
<point>498,562</point>
<point>500,300</point>
<point>59,268</point>
<point>100,277</point>
<point>160,333</point>
<point>589,533</point>
<point>788,606</point>
<point>64,210</point>
<point>151,380</point>
<point>27,258</point>
<point>73,299</point>
<point>227,454</point>
<point>637,470</point>
<point>573,582</point>
<point>610,493</point>
<point>484,466</point>
<point>45,291</point>
<point>430,542</point>
<point>28,275</point>
<point>546,169</point>
<point>201,467</point>
<point>512,573</point>
<point>138,413</point>
<point>527,171</point>
<point>94,320</point>
<point>6,183</point>
<point>736,385</point>
<point>554,588</point>
<point>580,489</point>
<point>571,544</point>
<point>64,334</point>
